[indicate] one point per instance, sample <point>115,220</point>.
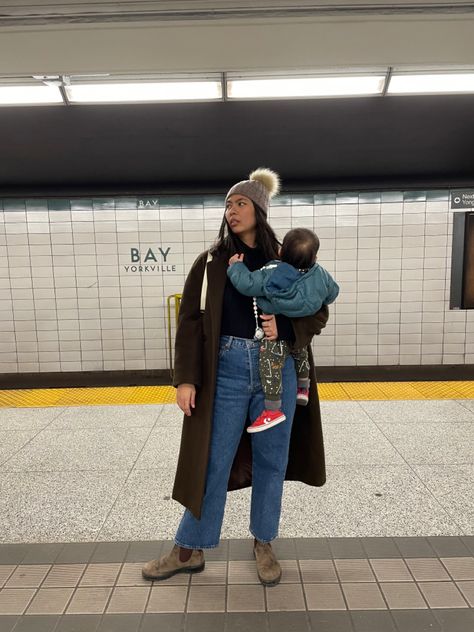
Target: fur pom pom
<point>269,179</point>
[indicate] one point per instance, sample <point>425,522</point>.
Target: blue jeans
<point>238,393</point>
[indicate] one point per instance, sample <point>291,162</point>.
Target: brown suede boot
<point>268,568</point>
<point>170,564</point>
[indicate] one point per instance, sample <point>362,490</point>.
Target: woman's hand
<point>235,258</point>
<point>186,397</point>
<point>269,326</point>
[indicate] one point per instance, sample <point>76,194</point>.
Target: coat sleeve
<point>296,309</point>
<point>189,334</point>
<point>300,305</point>
<point>333,293</point>
<point>332,289</point>
<point>308,326</point>
<point>246,282</point>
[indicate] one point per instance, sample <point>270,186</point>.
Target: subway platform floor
<point>386,545</point>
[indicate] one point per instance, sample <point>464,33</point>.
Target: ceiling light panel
<point>29,95</point>
<point>434,83</point>
<point>144,92</point>
<point>305,87</point>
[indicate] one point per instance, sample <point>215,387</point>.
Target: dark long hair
<point>227,243</point>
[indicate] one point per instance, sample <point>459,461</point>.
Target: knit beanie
<point>262,185</point>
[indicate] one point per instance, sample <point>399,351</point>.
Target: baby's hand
<point>236,258</point>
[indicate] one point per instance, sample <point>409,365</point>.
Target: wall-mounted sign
<point>150,260</point>
<point>148,203</point>
<point>462,199</point>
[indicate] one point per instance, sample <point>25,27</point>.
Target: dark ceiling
<point>337,144</point>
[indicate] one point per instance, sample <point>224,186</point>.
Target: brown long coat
<point>196,355</point>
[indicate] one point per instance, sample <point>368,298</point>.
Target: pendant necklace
<point>259,333</point>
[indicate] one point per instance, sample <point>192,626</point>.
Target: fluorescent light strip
<point>29,95</point>
<point>305,87</point>
<point>240,88</point>
<point>144,91</point>
<point>435,83</point>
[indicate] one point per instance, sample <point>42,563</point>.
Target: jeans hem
<point>195,546</point>
<point>264,541</point>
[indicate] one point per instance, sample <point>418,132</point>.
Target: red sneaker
<point>266,420</point>
<point>302,396</point>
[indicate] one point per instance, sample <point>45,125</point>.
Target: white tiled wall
<point>68,303</point>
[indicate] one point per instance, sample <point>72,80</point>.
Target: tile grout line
<point>24,445</point>
<point>122,487</point>
<point>186,601</point>
<point>305,600</point>
<point>114,585</point>
<point>74,588</point>
<point>147,602</point>
<point>461,402</point>
<point>78,586</point>
<point>226,587</point>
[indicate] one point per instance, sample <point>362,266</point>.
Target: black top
<point>237,311</point>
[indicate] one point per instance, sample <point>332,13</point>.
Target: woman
<point>218,388</point>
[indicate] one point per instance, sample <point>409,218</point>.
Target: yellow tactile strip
<point>332,391</point>
<point>396,390</point>
<point>115,395</point>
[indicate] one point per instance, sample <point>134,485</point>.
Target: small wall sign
<point>462,199</point>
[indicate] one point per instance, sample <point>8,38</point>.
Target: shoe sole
<point>276,421</point>
<point>302,402</point>
<point>274,582</point>
<point>189,569</point>
<point>269,584</point>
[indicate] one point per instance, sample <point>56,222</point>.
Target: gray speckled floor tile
<point>55,506</point>
<point>119,503</point>
<point>416,411</point>
<point>237,515</point>
<point>141,511</point>
<point>84,449</point>
<point>11,441</point>
<point>467,403</point>
<point>343,413</point>
<point>171,415</point>
<point>432,443</point>
<point>453,487</point>
<point>161,449</point>
<point>131,416</point>
<point>27,418</point>
<point>358,444</point>
<point>347,505</point>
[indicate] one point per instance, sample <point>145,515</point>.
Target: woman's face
<point>240,215</point>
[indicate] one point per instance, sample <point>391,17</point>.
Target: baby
<point>294,286</point>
